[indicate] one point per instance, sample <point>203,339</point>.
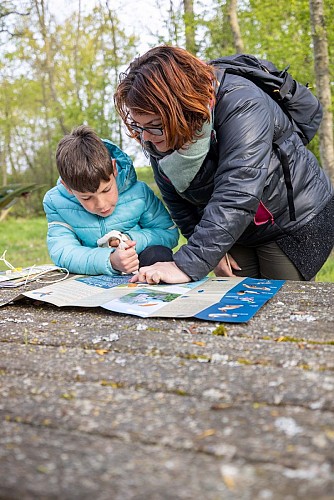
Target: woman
<point>211,149</point>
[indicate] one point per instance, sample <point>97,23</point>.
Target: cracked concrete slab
<point>101,405</point>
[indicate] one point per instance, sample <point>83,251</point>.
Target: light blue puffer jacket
<point>73,232</point>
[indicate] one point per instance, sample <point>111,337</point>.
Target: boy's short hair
<point>83,161</point>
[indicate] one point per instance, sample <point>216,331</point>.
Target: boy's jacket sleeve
<point>156,225</point>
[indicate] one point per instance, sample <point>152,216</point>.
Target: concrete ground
<point>96,405</point>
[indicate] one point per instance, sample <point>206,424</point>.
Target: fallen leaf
<point>101,352</point>
<point>229,481</point>
<point>207,433</point>
<point>221,406</point>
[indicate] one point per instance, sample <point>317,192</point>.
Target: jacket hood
<point>126,173</point>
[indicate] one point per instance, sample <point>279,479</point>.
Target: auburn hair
<point>172,83</point>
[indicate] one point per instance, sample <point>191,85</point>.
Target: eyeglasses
<point>150,130</point>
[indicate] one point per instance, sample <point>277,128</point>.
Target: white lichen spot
<point>288,425</point>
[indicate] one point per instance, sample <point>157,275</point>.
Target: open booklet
<point>216,299</point>
<point>16,277</point>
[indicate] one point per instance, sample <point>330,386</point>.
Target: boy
<point>97,194</point>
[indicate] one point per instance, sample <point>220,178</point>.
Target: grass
<point>145,174</point>
<point>326,273</point>
<point>25,242</point>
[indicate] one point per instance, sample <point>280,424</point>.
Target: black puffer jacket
<point>241,169</point>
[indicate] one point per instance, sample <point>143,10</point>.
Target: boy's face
<point>103,201</point>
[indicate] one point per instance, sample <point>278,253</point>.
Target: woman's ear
<point>114,166</point>
<point>68,189</point>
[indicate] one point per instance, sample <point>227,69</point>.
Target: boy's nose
<point>99,205</point>
<point>102,208</point>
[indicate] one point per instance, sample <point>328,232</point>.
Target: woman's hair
<point>82,160</point>
<point>172,83</point>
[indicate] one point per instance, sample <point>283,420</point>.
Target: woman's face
<point>151,130</point>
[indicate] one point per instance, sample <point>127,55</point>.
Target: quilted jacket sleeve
<point>67,251</point>
<point>157,227</point>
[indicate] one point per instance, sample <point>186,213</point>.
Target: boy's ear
<point>114,166</point>
<point>68,189</point>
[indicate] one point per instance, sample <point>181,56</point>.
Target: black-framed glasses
<point>150,130</point>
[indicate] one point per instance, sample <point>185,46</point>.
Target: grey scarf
<point>182,165</point>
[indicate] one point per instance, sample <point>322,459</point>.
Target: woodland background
<point>60,62</point>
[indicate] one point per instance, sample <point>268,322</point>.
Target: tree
<point>189,26</point>
<point>234,23</point>
<point>8,15</point>
<point>322,75</point>
<point>47,57</point>
<point>116,52</point>
<point>217,40</point>
<point>172,20</point>
<point>52,78</point>
<point>283,37</point>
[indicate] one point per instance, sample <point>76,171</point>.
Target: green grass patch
<point>25,241</point>
<point>326,273</point>
<point>145,174</point>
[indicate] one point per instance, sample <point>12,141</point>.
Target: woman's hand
<point>168,272</point>
<point>225,266</point>
<point>125,259</point>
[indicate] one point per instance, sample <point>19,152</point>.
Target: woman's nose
<point>146,136</point>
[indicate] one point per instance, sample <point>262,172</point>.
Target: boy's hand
<point>125,260</point>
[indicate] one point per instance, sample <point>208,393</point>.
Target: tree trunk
<point>115,50</point>
<point>189,26</point>
<point>7,136</point>
<point>3,168</point>
<point>234,23</point>
<point>48,134</point>
<point>47,64</point>
<point>322,76</point>
<point>76,51</point>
